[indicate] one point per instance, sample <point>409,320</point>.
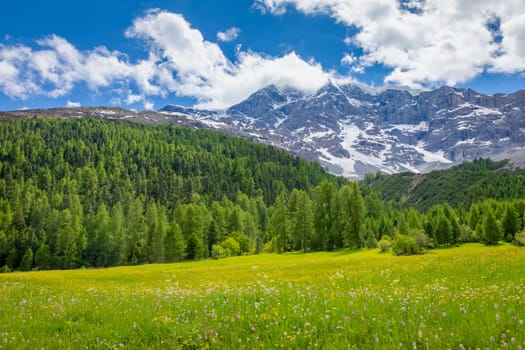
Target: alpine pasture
<point>459,298</point>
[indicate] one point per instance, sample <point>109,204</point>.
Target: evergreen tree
<point>443,230</point>
<point>511,222</point>
<point>352,214</point>
<point>301,219</point>
<point>325,215</point>
<point>279,225</point>
<point>174,244</point>
<point>492,231</point>
<point>195,248</point>
<point>43,257</point>
<point>27,260</point>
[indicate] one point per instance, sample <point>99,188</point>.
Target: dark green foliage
<point>492,231</point>
<point>174,244</point>
<point>27,261</point>
<point>511,223</point>
<point>90,192</point>
<point>459,186</point>
<point>195,248</point>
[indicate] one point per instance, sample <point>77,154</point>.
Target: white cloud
<point>187,64</point>
<point>228,35</point>
<point>348,59</point>
<point>71,104</point>
<point>56,67</point>
<point>148,106</point>
<point>426,42</point>
<point>180,61</point>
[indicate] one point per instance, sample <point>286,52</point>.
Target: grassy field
<point>469,297</point>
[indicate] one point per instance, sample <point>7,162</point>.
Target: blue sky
<point>145,54</point>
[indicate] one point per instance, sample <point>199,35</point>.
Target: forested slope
<point>86,192</point>
<point>459,186</point>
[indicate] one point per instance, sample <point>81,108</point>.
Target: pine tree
<point>352,215</point>
<point>174,244</point>
<point>492,232</point>
<point>325,214</point>
<point>511,223</point>
<point>27,260</point>
<point>43,257</point>
<point>443,230</point>
<point>279,225</point>
<point>195,248</point>
<point>301,219</point>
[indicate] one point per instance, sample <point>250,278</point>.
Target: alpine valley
<point>353,129</point>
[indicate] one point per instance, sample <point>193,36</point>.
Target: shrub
<point>385,243</point>
<point>404,245</point>
<point>519,239</point>
<point>422,240</point>
<point>218,252</point>
<point>231,246</point>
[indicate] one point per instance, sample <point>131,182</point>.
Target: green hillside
<point>459,186</point>
<point>86,192</point>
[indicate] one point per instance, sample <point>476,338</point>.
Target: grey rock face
<point>352,132</point>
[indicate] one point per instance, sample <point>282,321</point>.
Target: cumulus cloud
<point>180,61</point>
<point>426,42</point>
<point>71,104</point>
<point>228,35</point>
<point>189,65</point>
<point>56,67</point>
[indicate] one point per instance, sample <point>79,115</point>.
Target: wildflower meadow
<point>471,297</point>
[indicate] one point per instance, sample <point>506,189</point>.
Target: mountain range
<point>353,130</point>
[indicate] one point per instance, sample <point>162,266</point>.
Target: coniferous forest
<point>93,193</point>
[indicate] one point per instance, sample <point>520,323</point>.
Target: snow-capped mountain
<point>353,132</point>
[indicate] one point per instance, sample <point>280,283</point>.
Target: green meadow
<point>468,297</point>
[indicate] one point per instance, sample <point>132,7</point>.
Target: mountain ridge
<point>351,131</point>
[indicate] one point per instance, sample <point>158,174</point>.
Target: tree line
<point>92,193</point>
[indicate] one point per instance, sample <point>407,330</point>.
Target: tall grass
<point>469,297</point>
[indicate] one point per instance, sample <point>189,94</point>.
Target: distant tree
<point>492,232</point>
<point>301,219</point>
<point>511,223</point>
<point>325,215</point>
<point>443,230</point>
<point>43,257</point>
<point>352,215</point>
<point>195,248</point>
<point>279,225</point>
<point>27,260</point>
<point>175,245</point>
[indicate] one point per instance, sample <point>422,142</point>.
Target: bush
<point>385,243</point>
<point>468,235</point>
<point>422,240</point>
<point>404,245</point>
<point>519,239</point>
<point>271,246</point>
<point>245,243</point>
<point>218,252</point>
<point>231,246</point>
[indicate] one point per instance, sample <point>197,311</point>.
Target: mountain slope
<point>459,186</point>
<point>352,132</point>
